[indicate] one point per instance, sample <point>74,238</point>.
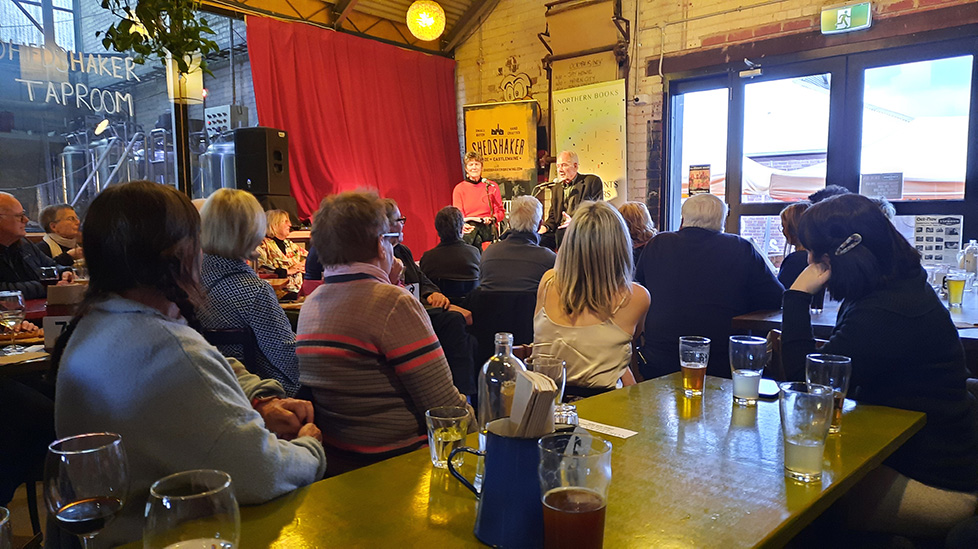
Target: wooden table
<point>700,473</point>
<point>965,318</point>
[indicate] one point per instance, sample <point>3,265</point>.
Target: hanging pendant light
<point>426,20</point>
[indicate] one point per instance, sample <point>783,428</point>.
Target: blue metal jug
<point>510,511</point>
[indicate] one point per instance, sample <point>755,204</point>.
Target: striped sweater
<point>367,350</point>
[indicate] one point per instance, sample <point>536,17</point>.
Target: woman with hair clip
<point>131,363</point>
<point>905,353</point>
<point>588,310</point>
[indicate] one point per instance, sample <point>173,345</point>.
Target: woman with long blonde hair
<point>588,310</point>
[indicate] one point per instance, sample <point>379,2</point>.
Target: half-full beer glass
<point>575,472</point>
<point>694,354</point>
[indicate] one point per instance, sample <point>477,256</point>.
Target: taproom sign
<point>847,18</point>
<point>45,77</point>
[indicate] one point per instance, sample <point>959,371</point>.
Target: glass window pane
<point>764,232</point>
<point>786,127</point>
<point>704,138</point>
<point>915,129</point>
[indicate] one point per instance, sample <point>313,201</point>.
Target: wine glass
<point>49,276</point>
<point>192,510</point>
<point>85,482</point>
<point>12,316</point>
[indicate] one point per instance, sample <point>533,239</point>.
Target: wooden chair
<point>775,368</point>
<point>494,312</point>
<point>455,290</point>
<point>236,336</point>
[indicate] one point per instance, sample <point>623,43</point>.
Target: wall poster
<point>590,120</point>
<point>506,136</point>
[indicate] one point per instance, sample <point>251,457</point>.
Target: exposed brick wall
<point>674,27</point>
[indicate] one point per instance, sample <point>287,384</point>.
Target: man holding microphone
<point>569,190</point>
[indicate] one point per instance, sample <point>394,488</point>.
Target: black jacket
<point>451,260</point>
<point>906,354</point>
<point>583,187</point>
<point>515,264</point>
<point>699,280</point>
<point>20,268</point>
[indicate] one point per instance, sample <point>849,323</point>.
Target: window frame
<point>846,64</point>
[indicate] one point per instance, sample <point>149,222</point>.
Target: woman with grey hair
<point>232,226</point>
<point>588,310</point>
<point>63,229</point>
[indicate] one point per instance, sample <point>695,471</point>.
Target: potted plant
<point>161,28</point>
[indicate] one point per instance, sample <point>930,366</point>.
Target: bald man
<point>570,189</point>
<point>20,259</point>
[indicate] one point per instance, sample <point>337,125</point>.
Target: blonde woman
<point>588,310</point>
<point>640,226</point>
<point>279,255</point>
<point>232,225</point>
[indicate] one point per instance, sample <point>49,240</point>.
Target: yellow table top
<point>700,473</point>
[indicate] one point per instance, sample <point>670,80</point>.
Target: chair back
<point>494,312</point>
<point>455,290</point>
<point>242,338</point>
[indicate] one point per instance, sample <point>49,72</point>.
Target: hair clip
<point>849,243</point>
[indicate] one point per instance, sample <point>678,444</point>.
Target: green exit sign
<point>847,18</point>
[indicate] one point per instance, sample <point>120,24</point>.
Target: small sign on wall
<point>847,18</point>
<point>699,179</point>
<point>938,237</point>
<point>886,185</point>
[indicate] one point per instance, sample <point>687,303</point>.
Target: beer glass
<point>192,509</point>
<point>955,289</point>
<point>447,427</point>
<point>575,472</point>
<point>832,371</point>
<point>806,412</point>
<point>748,357</point>
<point>694,354</point>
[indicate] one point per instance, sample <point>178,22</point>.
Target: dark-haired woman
<point>133,365</point>
<point>905,353</point>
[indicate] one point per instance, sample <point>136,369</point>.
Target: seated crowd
<point>378,341</point>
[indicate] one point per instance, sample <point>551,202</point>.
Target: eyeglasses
<point>69,218</point>
<point>393,238</point>
<point>22,215</point>
<point>401,220</point>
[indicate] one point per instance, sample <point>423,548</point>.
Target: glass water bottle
<point>497,381</point>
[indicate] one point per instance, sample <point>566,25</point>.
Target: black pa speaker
<point>261,160</point>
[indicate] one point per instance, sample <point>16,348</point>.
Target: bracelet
<point>261,400</point>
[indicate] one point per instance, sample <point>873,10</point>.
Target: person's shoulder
<point>641,294</point>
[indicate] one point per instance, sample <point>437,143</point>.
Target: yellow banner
<point>506,136</point>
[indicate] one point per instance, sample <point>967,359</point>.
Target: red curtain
<point>360,115</point>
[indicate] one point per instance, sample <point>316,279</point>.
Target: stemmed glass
<point>192,510</point>
<point>12,316</point>
<point>86,479</point>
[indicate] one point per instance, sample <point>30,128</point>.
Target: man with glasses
<point>20,259</point>
<point>569,190</point>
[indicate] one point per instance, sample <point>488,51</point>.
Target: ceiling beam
<point>342,10</point>
<point>468,22</point>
